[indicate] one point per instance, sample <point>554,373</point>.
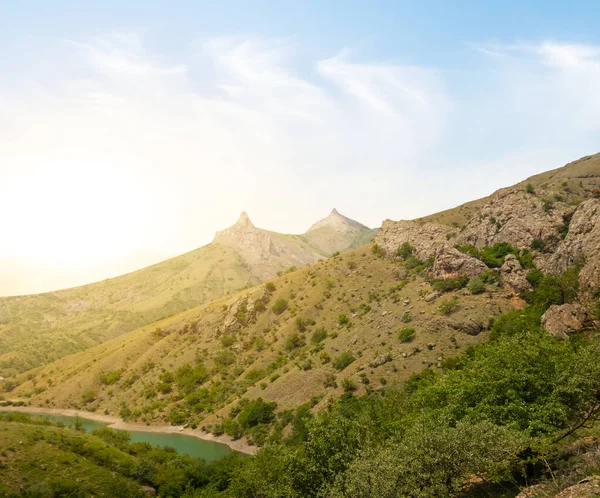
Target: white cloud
<point>108,148</point>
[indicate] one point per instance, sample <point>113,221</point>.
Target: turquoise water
<point>188,445</point>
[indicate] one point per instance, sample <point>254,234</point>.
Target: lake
<point>189,445</point>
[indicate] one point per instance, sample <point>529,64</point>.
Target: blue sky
<point>132,131</point>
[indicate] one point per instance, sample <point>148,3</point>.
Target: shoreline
<point>118,424</point>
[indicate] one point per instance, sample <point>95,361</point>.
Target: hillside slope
<point>37,329</point>
<point>342,322</point>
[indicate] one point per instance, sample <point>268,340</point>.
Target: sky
<point>132,131</point>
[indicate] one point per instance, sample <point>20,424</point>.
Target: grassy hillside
<point>40,328</point>
<point>37,329</point>
<point>575,181</point>
<point>319,330</point>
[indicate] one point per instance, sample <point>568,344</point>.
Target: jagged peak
<point>336,219</point>
<point>244,219</point>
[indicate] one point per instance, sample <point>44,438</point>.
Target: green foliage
<point>110,378</point>
<point>279,306</point>
<point>450,284</point>
<point>270,286</point>
<point>407,334</point>
<point>88,396</point>
<point>224,358</point>
<point>343,360</point>
<point>301,324</point>
<point>343,319</point>
<point>529,188</point>
<point>256,412</point>
<point>294,341</point>
<point>553,289</point>
<point>493,256</point>
<point>378,251</point>
<point>405,251</point>
<point>348,385</point>
<point>449,306</point>
<point>318,336</point>
<point>189,378</point>
<point>538,245</point>
<point>476,286</point>
<point>547,205</point>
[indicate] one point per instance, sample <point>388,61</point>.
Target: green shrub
<point>538,245</point>
<point>476,286</point>
<point>348,385</point>
<point>490,277</point>
<point>450,284</point>
<point>270,286</point>
<point>256,412</point>
<point>343,319</point>
<point>189,378</point>
<point>343,360</point>
<point>405,251</point>
<point>301,324</point>
<point>529,188</point>
<point>88,396</point>
<point>294,341</point>
<point>110,378</point>
<point>547,205</point>
<point>378,251</point>
<point>407,335</point>
<point>449,306</point>
<point>280,306</point>
<point>318,336</point>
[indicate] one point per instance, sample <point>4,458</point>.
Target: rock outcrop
<point>586,488</point>
<point>514,216</point>
<point>426,238</point>
<point>562,320</point>
<point>514,276</point>
<point>266,252</point>
<point>581,245</point>
<point>450,263</point>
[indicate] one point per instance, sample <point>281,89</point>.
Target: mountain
<point>37,329</point>
<point>288,342</point>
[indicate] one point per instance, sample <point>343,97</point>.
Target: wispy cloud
<point>133,148</point>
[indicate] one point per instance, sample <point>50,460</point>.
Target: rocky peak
<point>338,222</point>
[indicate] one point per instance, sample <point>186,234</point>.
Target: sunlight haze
<point>125,140</point>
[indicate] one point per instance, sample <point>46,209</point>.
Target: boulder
<point>432,296</point>
<point>514,276</point>
<point>562,320</point>
<point>450,262</point>
<point>380,360</point>
<point>586,488</point>
<point>467,326</point>
<point>148,491</point>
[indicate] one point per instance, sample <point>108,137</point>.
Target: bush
<point>110,378</point>
<point>343,319</point>
<point>449,306</point>
<point>407,334</point>
<point>279,306</point>
<point>529,188</point>
<point>405,251</point>
<point>270,286</point>
<point>476,285</point>
<point>343,360</point>
<point>538,245</point>
<point>294,341</point>
<point>256,412</point>
<point>378,251</point>
<point>318,336</point>
<point>450,284</point>
<point>88,397</point>
<point>348,385</point>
